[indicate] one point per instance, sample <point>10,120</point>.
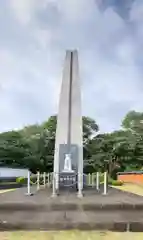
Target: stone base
<point>104,194</point>
<point>79,195</point>
<point>54,195</point>
<point>29,194</point>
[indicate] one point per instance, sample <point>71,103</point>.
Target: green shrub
<point>111,181</point>
<point>115,182</point>
<point>21,180</point>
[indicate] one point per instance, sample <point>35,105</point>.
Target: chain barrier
<point>43,180</point>
<point>40,180</point>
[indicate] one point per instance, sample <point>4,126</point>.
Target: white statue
<point>67,164</point>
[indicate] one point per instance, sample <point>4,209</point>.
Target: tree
<point>12,149</point>
<point>111,151</point>
<point>133,122</point>
<point>31,131</point>
<point>90,128</point>
<point>33,146</point>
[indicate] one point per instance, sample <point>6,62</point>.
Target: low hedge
<point>115,182</point>
<point>110,181</point>
<point>21,180</point>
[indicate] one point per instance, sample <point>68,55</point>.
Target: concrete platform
<point>93,211</point>
<point>92,200</point>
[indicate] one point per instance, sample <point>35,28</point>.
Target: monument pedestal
<point>68,180</point>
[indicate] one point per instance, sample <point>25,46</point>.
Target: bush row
<point>111,181</point>
<point>22,180</point>
<point>115,182</point>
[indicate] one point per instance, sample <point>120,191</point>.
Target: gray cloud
<point>121,7</point>
<point>34,38</point>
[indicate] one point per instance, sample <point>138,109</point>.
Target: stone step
<point>111,221</point>
<point>65,206</point>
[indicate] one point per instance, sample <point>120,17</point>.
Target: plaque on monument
<point>68,180</point>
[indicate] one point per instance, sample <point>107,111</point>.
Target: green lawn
<point>70,235</point>
<point>6,190</point>
<point>132,188</point>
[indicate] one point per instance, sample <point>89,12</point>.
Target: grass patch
<point>6,190</point>
<point>132,188</point>
<point>70,235</point>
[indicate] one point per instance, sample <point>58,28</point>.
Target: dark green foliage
<point>33,146</point>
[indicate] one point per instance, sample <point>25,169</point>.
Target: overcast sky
<point>34,37</point>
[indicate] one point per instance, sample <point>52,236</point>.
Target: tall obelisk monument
<point>68,158</point>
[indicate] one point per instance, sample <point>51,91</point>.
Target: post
<point>92,179</point>
<point>28,184</point>
<point>44,179</point>
<point>51,176</point>
<point>54,194</point>
<point>48,180</point>
<point>88,179</point>
<point>38,181</point>
<point>105,184</point>
<point>97,181</point>
<point>80,185</point>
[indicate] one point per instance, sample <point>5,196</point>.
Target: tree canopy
<point>33,146</point>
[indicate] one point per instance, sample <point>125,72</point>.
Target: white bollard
<point>80,180</point>
<point>28,184</point>
<point>88,179</point>
<point>38,181</point>
<point>44,179</point>
<point>54,194</point>
<point>97,181</point>
<point>48,180</point>
<point>92,178</point>
<point>105,183</point>
<point>57,181</point>
<point>51,176</point>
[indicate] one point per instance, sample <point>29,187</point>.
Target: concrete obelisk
<point>68,155</point>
